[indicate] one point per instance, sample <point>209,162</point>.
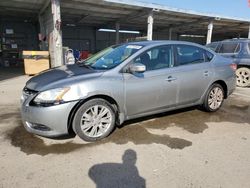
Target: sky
<point>232,8</point>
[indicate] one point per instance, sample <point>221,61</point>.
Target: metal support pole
<point>150,26</point>
<point>57,33</point>
<point>249,32</point>
<point>209,32</point>
<point>170,33</point>
<point>117,36</point>
<point>177,36</point>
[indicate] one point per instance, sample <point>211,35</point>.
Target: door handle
<point>206,73</point>
<point>170,78</point>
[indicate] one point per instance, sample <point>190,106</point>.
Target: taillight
<point>233,66</point>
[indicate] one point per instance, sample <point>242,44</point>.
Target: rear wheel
<point>94,120</point>
<point>243,77</point>
<point>214,98</point>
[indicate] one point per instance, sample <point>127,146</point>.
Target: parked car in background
<point>124,82</point>
<point>239,50</point>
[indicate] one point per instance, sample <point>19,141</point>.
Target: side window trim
<point>176,63</point>
<point>238,48</point>
<point>248,45</point>
<point>207,57</point>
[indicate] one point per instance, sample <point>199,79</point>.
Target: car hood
<point>61,76</point>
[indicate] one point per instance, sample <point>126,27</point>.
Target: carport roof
<point>130,14</point>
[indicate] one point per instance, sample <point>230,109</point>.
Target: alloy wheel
<point>96,120</point>
<point>215,99</point>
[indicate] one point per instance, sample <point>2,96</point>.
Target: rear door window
<point>187,54</point>
<point>229,47</point>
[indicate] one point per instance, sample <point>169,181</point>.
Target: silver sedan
<point>124,82</point>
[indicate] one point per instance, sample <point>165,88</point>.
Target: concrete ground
<point>186,148</point>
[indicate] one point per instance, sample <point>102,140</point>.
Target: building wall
<point>16,35</point>
<point>199,40</point>
<point>105,39</point>
<point>25,33</point>
<point>164,35</point>
<point>88,38</point>
<point>81,38</point>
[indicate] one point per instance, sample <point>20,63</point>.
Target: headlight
<point>53,96</point>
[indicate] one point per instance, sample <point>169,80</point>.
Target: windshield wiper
<point>82,64</point>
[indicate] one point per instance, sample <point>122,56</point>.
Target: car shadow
<point>139,131</point>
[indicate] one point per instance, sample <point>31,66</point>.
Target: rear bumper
<point>47,121</point>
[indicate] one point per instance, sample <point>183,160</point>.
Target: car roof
<point>154,43</point>
<point>161,42</point>
<point>239,40</point>
<point>236,40</point>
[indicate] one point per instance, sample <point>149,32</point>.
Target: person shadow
<point>124,175</point>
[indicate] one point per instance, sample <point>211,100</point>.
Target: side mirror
<point>137,68</point>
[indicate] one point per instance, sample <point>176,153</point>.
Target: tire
<point>214,98</point>
<point>243,77</point>
<point>94,120</point>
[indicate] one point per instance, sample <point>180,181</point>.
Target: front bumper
<point>46,121</point>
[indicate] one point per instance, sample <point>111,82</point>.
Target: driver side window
<point>156,58</point>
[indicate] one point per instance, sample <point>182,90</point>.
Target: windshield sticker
<point>134,47</point>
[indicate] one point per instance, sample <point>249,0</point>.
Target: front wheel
<point>94,120</point>
<point>214,98</point>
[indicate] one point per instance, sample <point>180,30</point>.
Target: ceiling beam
<point>15,9</point>
<point>20,4</point>
<point>128,18</point>
<point>184,24</point>
<point>94,8</point>
<point>82,17</point>
<point>44,6</point>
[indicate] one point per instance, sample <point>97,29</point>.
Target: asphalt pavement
<point>183,148</point>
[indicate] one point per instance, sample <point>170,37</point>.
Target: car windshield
<point>111,56</point>
<point>212,46</point>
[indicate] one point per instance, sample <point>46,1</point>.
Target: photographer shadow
<point>124,175</point>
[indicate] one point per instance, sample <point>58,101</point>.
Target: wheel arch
<point>223,85</point>
<point>111,100</point>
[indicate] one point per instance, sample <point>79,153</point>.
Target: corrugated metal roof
<point>130,14</point>
<point>176,10</point>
